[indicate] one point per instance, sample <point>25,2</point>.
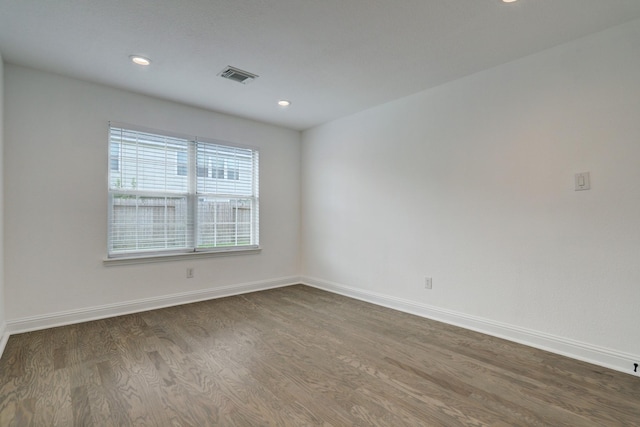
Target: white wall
<point>2,303</point>
<point>471,183</point>
<point>56,197</point>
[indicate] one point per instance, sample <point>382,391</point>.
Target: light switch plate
<point>583,181</point>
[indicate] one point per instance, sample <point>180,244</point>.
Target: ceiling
<point>331,58</point>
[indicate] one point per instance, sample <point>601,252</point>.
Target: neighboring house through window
<point>182,160</point>
<point>114,157</point>
<point>232,168</point>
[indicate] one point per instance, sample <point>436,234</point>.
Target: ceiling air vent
<point>237,75</point>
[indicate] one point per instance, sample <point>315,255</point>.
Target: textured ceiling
<point>331,58</point>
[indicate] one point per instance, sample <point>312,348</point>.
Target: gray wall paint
<point>2,303</point>
<point>471,183</point>
<point>56,196</point>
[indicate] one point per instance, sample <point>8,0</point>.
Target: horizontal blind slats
<point>152,207</point>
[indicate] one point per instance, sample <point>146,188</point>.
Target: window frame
<point>194,199</point>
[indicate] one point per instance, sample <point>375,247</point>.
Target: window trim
<point>160,255</point>
<point>178,256</point>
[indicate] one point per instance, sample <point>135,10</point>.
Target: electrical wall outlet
<point>190,273</point>
<point>428,283</point>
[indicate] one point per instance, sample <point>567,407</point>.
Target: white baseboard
<point>52,320</point>
<point>4,337</point>
<point>596,355</point>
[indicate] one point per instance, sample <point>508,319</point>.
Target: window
<point>169,194</point>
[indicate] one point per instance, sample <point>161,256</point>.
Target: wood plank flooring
<point>297,356</point>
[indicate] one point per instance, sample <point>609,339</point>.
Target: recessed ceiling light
<point>284,103</point>
<point>508,1</point>
<point>140,60</point>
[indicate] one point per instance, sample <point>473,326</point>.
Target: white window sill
<point>145,259</point>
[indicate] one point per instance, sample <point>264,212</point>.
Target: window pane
<point>148,223</point>
<point>233,169</point>
<point>148,162</point>
<point>114,157</point>
<point>240,177</point>
<point>181,158</point>
<point>218,168</point>
<point>224,222</point>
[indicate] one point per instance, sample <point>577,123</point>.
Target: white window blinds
<point>179,194</point>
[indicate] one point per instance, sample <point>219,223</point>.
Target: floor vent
<point>237,75</point>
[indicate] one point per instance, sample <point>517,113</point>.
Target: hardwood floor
<point>297,356</point>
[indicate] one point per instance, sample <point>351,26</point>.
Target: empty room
<point>336,213</point>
